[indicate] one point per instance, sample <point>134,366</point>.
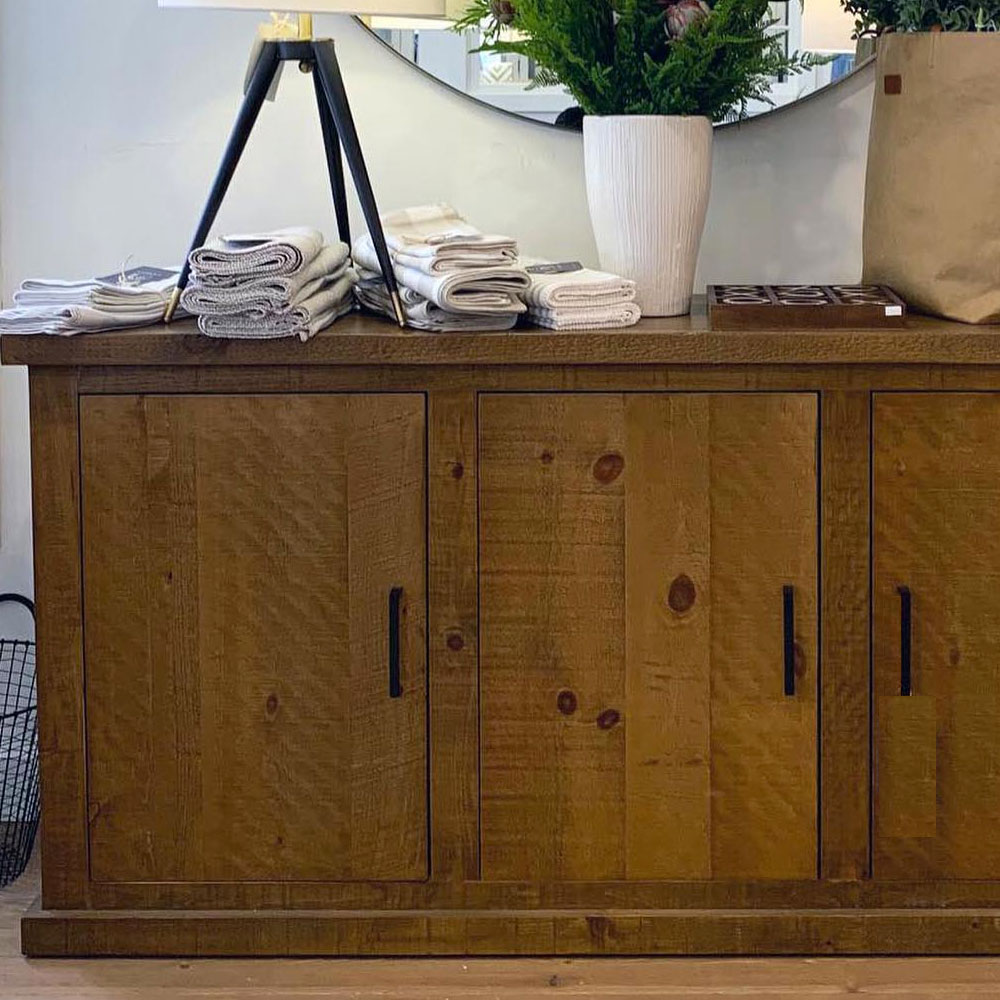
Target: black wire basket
<point>18,750</point>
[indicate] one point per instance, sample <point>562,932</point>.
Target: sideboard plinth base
<point>332,933</point>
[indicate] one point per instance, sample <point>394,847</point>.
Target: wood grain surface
<point>692,803</point>
<point>936,521</point>
<point>454,635</point>
<point>59,628</point>
<point>238,556</point>
<point>845,763</point>
<point>361,340</point>
<point>634,550</point>
<point>222,933</point>
<point>476,979</point>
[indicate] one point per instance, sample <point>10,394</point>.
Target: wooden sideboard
<point>659,641</point>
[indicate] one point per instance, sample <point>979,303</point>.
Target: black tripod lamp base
<point>339,137</point>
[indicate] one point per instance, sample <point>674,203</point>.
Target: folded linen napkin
<point>582,287</point>
<point>137,297</point>
<point>482,290</point>
<point>303,320</point>
<point>275,292</point>
<point>422,314</point>
<point>67,320</point>
<point>241,257</point>
<point>42,293</point>
<point>610,317</point>
<point>436,239</point>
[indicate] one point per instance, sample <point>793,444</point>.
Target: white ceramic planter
<point>648,180</point>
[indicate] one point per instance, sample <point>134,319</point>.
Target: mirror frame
<point>858,68</point>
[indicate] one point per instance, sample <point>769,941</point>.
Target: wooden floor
<point>481,979</point>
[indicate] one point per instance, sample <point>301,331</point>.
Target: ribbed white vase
<point>648,180</point>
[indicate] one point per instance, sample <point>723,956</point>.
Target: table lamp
<point>316,56</point>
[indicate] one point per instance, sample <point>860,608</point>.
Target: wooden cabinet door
<point>635,551</point>
<point>936,509</point>
<point>239,556</point>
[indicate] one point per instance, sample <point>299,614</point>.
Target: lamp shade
<point>424,8</point>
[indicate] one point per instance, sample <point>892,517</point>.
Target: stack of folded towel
<point>286,283</point>
<point>452,277</point>
<point>573,297</point>
<point>137,297</point>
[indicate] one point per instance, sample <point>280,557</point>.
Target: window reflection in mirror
<point>508,81</point>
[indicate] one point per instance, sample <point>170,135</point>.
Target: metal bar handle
<point>905,641</point>
<point>788,602</point>
<point>395,679</point>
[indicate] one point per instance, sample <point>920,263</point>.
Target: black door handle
<point>395,680</point>
<point>788,602</point>
<point>905,641</point>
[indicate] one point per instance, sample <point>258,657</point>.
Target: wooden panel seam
<point>844,720</point>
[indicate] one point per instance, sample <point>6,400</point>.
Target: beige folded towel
<point>427,230</point>
<point>276,292</point>
<point>304,320</point>
<point>100,293</point>
<point>248,256</point>
<point>443,260</point>
<point>482,290</point>
<point>424,315</point>
<point>581,288</point>
<point>70,319</point>
<point>436,239</point>
<point>63,308</point>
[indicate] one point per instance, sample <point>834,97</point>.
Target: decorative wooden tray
<point>804,307</point>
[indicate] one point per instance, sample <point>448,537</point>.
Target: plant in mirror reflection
<point>873,17</point>
<point>644,57</point>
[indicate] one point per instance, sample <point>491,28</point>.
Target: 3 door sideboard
<point>660,641</point>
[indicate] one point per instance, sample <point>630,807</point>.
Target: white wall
<point>113,115</point>
<point>827,26</point>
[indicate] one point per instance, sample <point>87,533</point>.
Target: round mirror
<point>507,81</point>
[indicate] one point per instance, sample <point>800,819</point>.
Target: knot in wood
<point>608,467</point>
<point>682,594</point>
<point>566,702</point>
<point>609,718</point>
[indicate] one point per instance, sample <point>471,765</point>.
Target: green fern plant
<point>616,57</point>
<point>873,17</point>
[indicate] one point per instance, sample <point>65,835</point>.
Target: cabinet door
<point>937,549</point>
<point>239,555</point>
<point>635,551</point>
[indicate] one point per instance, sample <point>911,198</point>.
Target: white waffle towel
<point>581,288</point>
<point>421,314</point>
<point>479,290</point>
<point>598,318</point>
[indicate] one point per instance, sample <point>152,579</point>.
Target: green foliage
<point>872,17</point>
<point>615,56</point>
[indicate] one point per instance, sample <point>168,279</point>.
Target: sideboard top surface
<point>364,340</point>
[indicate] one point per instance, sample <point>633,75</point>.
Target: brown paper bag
<point>932,202</point>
